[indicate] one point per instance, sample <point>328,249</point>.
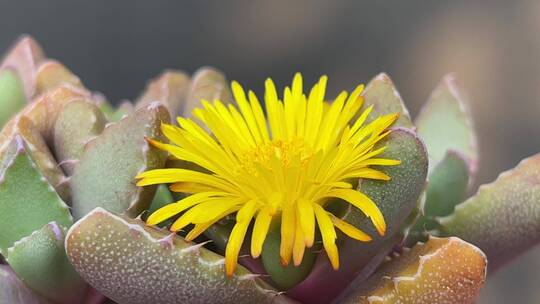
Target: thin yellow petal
<point>364,203</point>
<point>288,225</point>
<point>299,245</point>
<point>367,173</point>
<point>379,162</point>
<point>213,208</point>
<point>260,230</point>
<point>235,241</point>
<point>350,230</point>
<point>165,176</point>
<point>307,221</point>
<point>200,228</point>
<point>328,235</point>
<point>246,109</point>
<point>173,209</point>
<point>191,188</point>
<point>259,116</point>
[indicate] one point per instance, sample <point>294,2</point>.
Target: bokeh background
<point>492,46</point>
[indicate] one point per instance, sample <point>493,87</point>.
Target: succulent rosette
<point>202,192</point>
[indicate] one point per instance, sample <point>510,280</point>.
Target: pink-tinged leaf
<point>443,270</point>
<point>133,263</point>
<point>171,88</point>
<point>503,217</point>
<point>206,84</point>
<point>25,56</point>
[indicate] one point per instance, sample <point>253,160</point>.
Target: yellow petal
<point>247,112</point>
<point>171,210</point>
<point>307,221</point>
<point>328,235</point>
<point>380,162</point>
<point>260,230</point>
<point>172,133</point>
<point>184,220</point>
<point>165,176</point>
<point>213,208</point>
<point>200,228</point>
<point>190,187</point>
<point>299,245</point>
<point>367,173</point>
<point>288,225</point>
<point>247,211</point>
<point>364,203</point>
<point>350,230</point>
<point>235,242</point>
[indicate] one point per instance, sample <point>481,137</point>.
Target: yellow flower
<point>286,164</point>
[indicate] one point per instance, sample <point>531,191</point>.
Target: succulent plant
<point>86,215</point>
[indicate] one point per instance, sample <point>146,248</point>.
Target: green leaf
<point>79,122</point>
<point>288,276</point>
<point>43,113</point>
<point>24,57</point>
<point>40,261</point>
<point>126,108</point>
<point>207,84</point>
<point>171,88</point>
<point>27,200</point>
<point>105,174</point>
<point>396,199</point>
<point>503,217</point>
<point>445,124</point>
<point>40,153</point>
<point>13,290</point>
<point>439,271</point>
<point>447,187</point>
<point>12,96</point>
<point>133,263</point>
<point>162,198</point>
<point>385,99</point>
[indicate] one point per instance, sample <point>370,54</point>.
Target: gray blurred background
<point>493,46</point>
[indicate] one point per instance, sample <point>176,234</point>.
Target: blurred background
<point>493,46</point>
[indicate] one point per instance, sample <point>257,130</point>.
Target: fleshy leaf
<point>52,74</point>
<point>79,122</point>
<point>40,261</point>
<point>443,270</point>
<point>124,109</point>
<point>43,113</point>
<point>447,187</point>
<point>445,124</point>
<point>12,96</point>
<point>105,174</point>
<point>396,199</point>
<point>385,99</point>
<point>13,290</point>
<point>27,200</point>
<point>24,57</point>
<point>503,217</point>
<point>162,198</point>
<point>170,87</point>
<point>208,84</point>
<point>133,263</point>
<point>39,152</point>
<point>288,276</point>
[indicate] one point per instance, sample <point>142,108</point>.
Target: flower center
<point>285,152</point>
